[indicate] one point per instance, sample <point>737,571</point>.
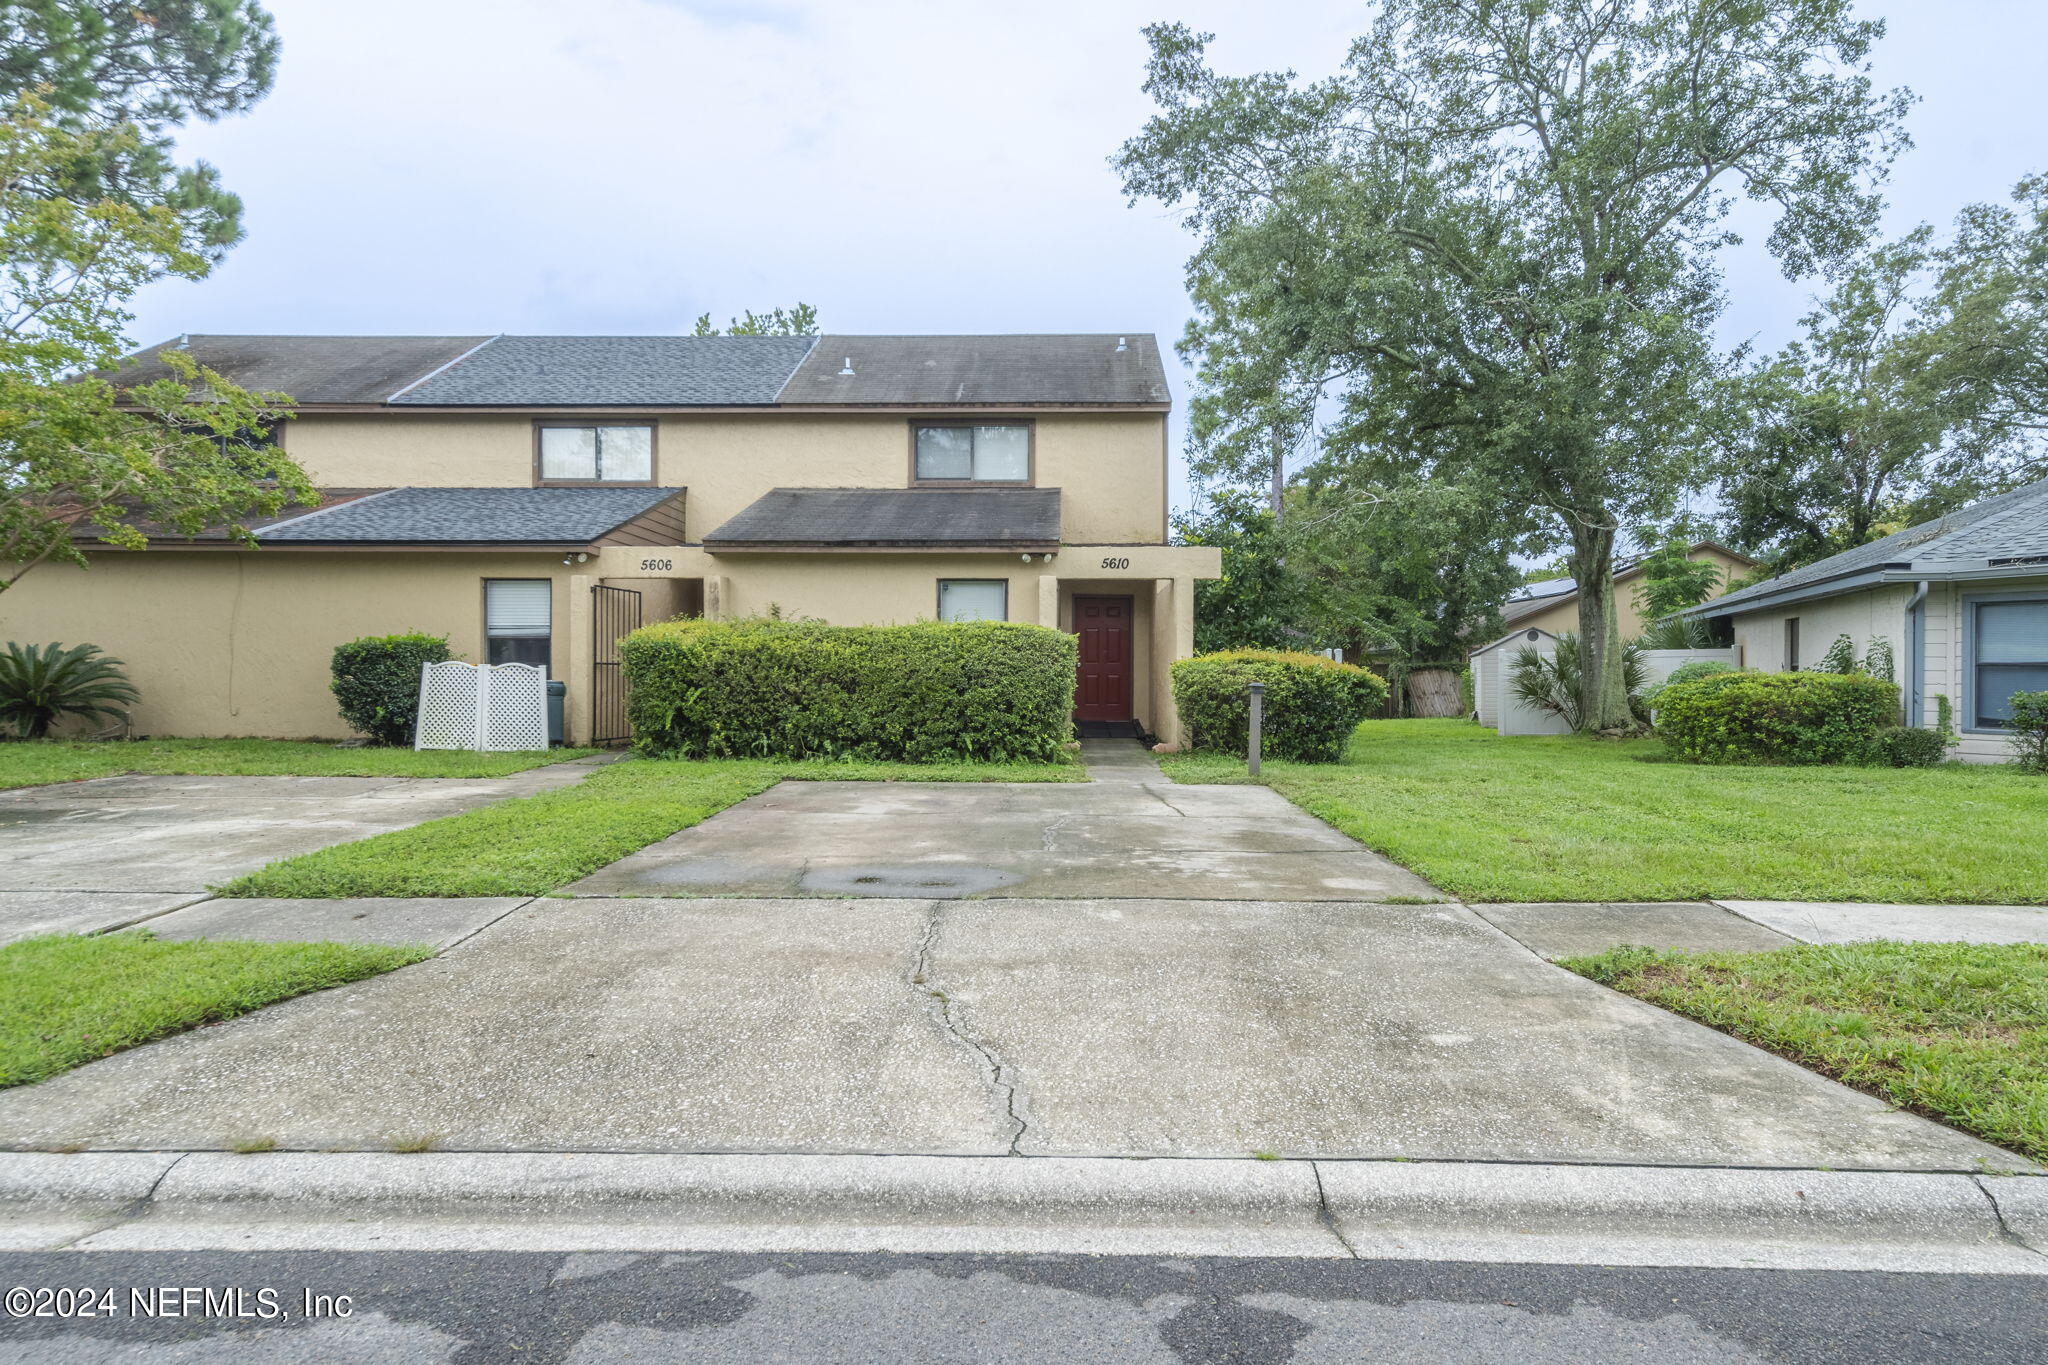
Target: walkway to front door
<point>1130,832</point>
<point>1103,690</point>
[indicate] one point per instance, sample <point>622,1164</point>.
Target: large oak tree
<point>1491,241</point>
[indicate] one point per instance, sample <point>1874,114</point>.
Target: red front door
<point>1104,625</point>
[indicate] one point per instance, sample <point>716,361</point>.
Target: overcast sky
<point>620,166</point>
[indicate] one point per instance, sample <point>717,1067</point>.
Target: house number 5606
<point>1116,563</point>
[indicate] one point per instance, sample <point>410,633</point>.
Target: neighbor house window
<point>1791,644</point>
<point>518,620</point>
<point>974,599</point>
<point>593,454</point>
<point>973,454</point>
<point>2009,654</point>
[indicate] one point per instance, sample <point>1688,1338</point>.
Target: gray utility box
<point>557,690</point>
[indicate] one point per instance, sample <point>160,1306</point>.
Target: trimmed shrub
<point>1900,746</point>
<point>1312,703</point>
<point>2030,731</point>
<point>1776,717</point>
<point>934,692</point>
<point>377,682</point>
<point>1685,673</point>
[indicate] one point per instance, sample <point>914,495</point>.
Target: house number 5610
<point>1116,563</point>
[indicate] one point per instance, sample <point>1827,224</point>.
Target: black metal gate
<point>613,613</point>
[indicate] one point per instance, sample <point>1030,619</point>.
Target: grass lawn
<point>68,999</point>
<point>532,845</point>
<point>1955,1031</point>
<point>35,762</point>
<point>1563,819</point>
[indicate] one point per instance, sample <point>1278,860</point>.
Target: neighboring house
<point>1553,605</point>
<point>1963,600</point>
<point>1550,609</point>
<point>534,497</point>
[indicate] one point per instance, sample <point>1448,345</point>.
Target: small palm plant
<point>43,684</point>
<point>1551,683</point>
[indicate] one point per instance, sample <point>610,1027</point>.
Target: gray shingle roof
<point>942,370</point>
<point>471,516</point>
<point>310,369</point>
<point>1003,518</point>
<point>680,371</point>
<point>2010,526</point>
<point>615,372</point>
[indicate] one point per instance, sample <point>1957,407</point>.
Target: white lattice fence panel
<point>517,714</point>
<point>482,706</point>
<point>448,706</point>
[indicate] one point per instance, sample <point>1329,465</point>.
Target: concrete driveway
<point>87,856</point>
<point>1036,1027</point>
<point>1119,968</point>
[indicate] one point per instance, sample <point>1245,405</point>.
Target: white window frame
<point>1002,583</point>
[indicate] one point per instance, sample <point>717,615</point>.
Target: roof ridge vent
<point>847,368</point>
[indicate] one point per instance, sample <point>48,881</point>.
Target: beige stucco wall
<point>227,643</point>
<point>238,642</point>
<point>1628,613</point>
<point>1110,467</point>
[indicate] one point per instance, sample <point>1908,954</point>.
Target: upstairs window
<point>571,453</point>
<point>2011,655</point>
<point>947,453</point>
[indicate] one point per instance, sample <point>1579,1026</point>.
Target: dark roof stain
<point>310,369</point>
<point>942,370</point>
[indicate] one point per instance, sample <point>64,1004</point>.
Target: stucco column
<point>1166,603</point>
<point>1049,600</point>
<point>717,597</point>
<point>579,672</point>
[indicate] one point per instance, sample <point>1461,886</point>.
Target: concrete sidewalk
<point>1568,929</point>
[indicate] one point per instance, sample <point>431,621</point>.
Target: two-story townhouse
<point>531,498</point>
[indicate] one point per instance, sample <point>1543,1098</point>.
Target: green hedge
<point>377,682</point>
<point>993,691</point>
<point>1312,703</point>
<point>2029,727</point>
<point>1777,717</point>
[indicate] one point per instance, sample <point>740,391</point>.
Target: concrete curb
<point>1094,1205</point>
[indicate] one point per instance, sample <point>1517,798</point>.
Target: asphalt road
<point>588,1309</point>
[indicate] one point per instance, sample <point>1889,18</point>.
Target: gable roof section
<point>471,516</point>
<point>894,518</point>
<point>310,369</point>
<point>614,372</point>
<point>945,370</point>
<point>1980,538</point>
<point>1107,370</point>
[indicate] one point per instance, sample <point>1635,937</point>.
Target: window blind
<point>518,606</point>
